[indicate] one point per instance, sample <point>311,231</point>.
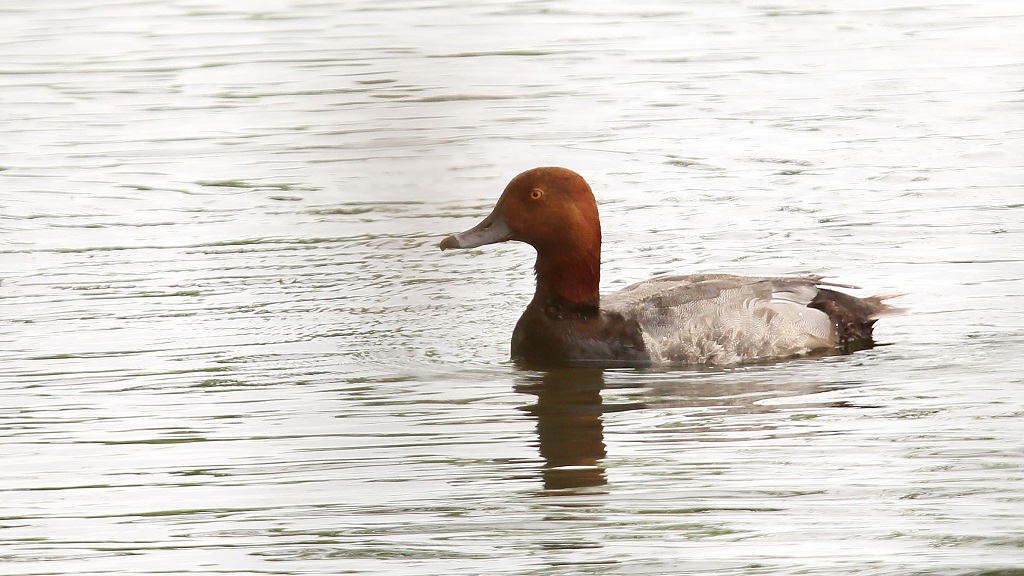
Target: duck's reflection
<point>569,410</point>
<point>569,425</point>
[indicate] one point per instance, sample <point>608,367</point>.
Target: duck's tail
<point>854,317</point>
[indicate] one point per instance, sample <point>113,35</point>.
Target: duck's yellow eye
<point>536,193</point>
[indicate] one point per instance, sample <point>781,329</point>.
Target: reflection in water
<point>569,427</point>
<point>744,395</point>
<point>570,406</point>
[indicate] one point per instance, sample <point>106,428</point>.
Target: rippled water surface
<point>231,346</point>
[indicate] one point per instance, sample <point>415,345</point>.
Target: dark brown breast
<point>552,334</point>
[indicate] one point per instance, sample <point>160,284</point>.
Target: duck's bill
<point>492,229</point>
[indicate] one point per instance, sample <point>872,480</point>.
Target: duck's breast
<point>550,336</point>
<point>724,319</point>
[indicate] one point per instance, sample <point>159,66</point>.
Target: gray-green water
<point>229,344</point>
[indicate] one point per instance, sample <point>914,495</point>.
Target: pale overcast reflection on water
<point>230,344</point>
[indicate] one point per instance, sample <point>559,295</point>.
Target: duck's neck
<point>569,280</point>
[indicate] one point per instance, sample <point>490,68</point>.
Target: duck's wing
<point>724,319</point>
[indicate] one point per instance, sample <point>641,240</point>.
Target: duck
<point>715,320</point>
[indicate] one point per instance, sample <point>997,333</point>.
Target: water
<point>231,346</point>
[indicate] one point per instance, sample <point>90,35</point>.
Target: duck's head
<point>552,209</point>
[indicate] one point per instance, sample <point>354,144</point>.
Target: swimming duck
<point>703,319</point>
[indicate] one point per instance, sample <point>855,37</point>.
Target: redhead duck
<point>703,319</point>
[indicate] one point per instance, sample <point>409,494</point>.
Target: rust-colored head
<point>553,210</point>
